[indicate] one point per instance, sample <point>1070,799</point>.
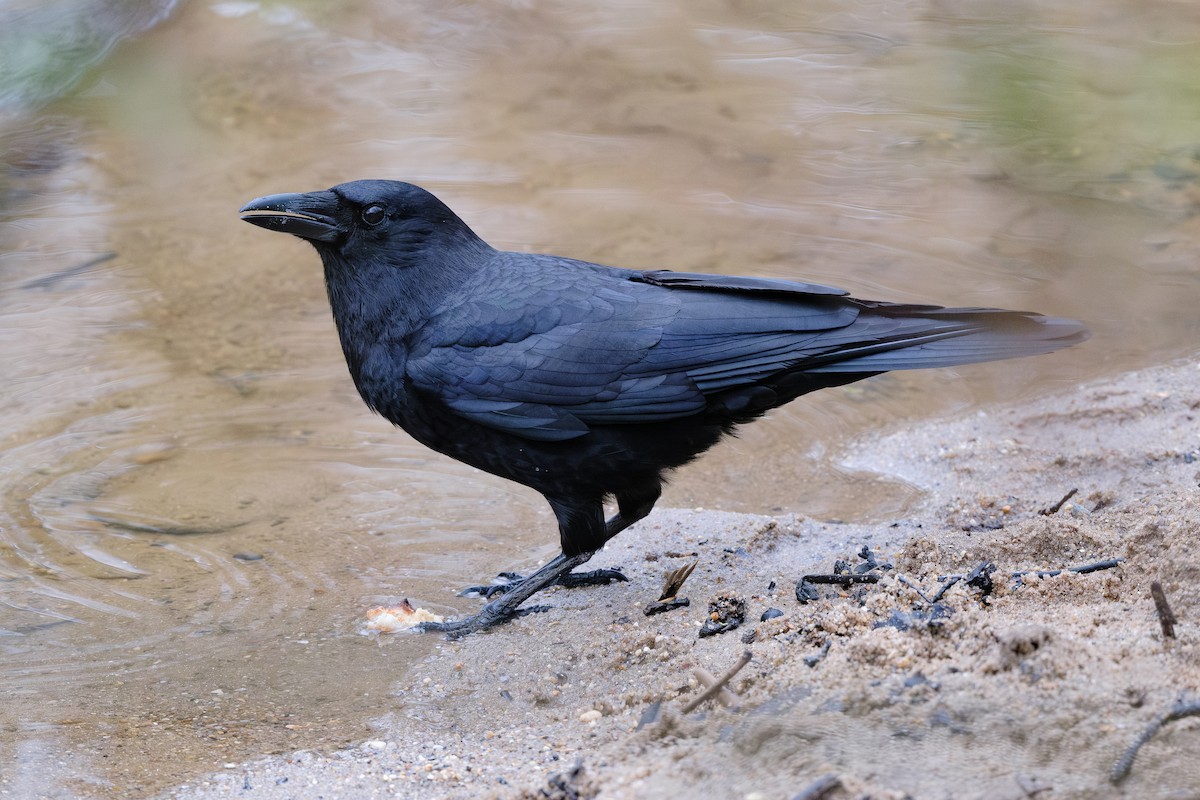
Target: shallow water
<point>195,508</point>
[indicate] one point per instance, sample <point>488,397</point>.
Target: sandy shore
<point>1033,688</point>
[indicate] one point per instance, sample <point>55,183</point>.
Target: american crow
<point>588,382</point>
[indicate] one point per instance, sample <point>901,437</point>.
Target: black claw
<point>571,580</point>
<point>596,577</point>
<point>488,618</point>
<point>487,591</point>
<point>460,627</point>
<point>520,612</point>
<point>504,581</point>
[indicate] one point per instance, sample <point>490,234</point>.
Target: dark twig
<point>719,684</point>
<point>843,575</point>
<point>1166,617</point>
<point>920,592</point>
<point>1054,509</point>
<point>663,606</point>
<point>1096,566</point>
<point>1083,569</point>
<point>1183,708</point>
<point>820,788</point>
<point>950,581</point>
<point>805,593</point>
<point>980,577</point>
<point>945,588</point>
<point>843,578</point>
<point>46,281</point>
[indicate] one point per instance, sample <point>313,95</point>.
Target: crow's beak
<point>309,216</point>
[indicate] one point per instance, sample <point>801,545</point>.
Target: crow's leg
<point>593,577</point>
<point>583,531</point>
<point>630,509</point>
<point>506,607</point>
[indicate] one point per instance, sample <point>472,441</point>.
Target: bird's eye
<point>373,215</point>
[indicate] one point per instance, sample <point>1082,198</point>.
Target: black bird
<point>587,382</point>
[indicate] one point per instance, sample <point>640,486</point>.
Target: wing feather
<point>560,345</point>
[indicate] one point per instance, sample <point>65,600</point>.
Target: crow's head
<point>365,222</point>
<point>392,254</point>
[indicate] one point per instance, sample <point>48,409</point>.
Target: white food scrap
<point>391,619</point>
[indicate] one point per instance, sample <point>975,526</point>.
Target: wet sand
<point>1035,688</point>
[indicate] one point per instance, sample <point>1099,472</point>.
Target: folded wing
<point>620,347</point>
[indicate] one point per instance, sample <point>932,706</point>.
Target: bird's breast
<point>378,371</point>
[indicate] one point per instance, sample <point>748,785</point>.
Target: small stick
<point>720,683</point>
<point>708,680</point>
<point>915,588</point>
<point>976,573</point>
<point>805,593</point>
<point>843,578</point>
<point>1083,569</point>
<point>953,579</point>
<point>1166,617</point>
<point>1107,563</point>
<point>46,281</point>
<point>946,587</point>
<point>1124,764</point>
<point>664,606</point>
<point>1054,509</point>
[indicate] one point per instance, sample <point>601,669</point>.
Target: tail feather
<point>949,337</point>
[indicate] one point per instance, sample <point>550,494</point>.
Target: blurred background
<point>196,508</point>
